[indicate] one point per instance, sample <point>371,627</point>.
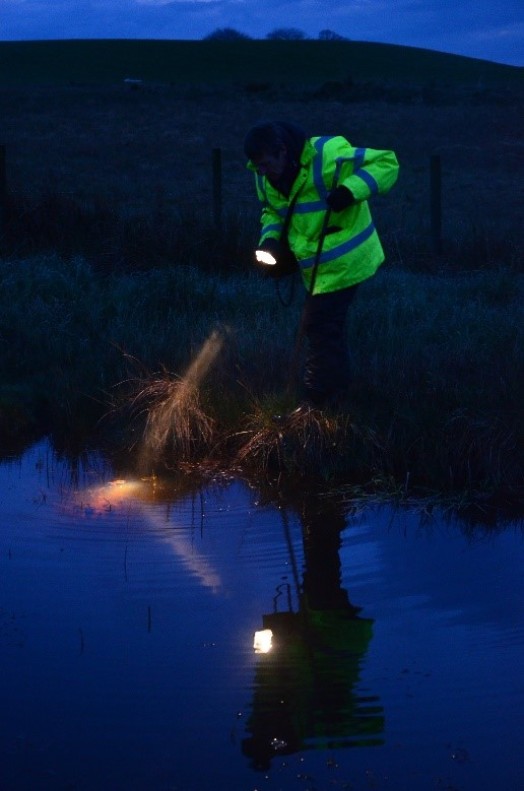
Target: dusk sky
<point>488,29</point>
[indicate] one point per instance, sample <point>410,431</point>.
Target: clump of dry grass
<point>176,423</point>
<point>305,441</point>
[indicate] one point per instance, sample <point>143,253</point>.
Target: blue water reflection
<point>127,616</point>
<point>306,686</point>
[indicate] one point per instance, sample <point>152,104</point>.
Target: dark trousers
<point>326,374</point>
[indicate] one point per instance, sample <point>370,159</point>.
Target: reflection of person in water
<point>305,687</point>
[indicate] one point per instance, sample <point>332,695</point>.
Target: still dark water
<point>127,621</point>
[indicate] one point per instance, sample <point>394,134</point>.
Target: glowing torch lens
<point>263,257</point>
<point>262,641</point>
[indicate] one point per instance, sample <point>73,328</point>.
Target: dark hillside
<point>289,62</point>
<point>87,153</point>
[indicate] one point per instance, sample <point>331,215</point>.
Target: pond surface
<point>127,619</point>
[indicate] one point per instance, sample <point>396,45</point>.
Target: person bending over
<point>316,191</point>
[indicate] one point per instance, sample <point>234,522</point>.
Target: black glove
<point>273,248</point>
<point>284,261</point>
<point>340,198</point>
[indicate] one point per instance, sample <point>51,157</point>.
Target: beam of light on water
<point>106,498</point>
<point>138,496</point>
<point>177,416</point>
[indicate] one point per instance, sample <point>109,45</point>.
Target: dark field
<point>151,148</point>
<point>297,63</point>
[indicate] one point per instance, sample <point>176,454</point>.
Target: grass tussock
<point>176,422</point>
<point>293,442</point>
<point>176,426</point>
<point>303,440</point>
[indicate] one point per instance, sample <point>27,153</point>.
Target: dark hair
<point>268,137</point>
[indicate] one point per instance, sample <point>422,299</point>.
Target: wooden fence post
<point>217,187</point>
<point>3,189</point>
<point>436,202</point>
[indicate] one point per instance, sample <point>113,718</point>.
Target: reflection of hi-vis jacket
<point>351,251</point>
<point>307,692</point>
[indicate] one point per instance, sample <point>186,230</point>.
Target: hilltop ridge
<point>256,61</point>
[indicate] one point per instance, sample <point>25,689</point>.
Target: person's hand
<point>276,258</point>
<point>340,198</point>
<point>268,253</point>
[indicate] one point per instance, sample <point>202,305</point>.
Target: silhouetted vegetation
<point>331,35</point>
<point>226,34</point>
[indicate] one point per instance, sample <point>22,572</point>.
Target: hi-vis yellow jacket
<point>351,251</point>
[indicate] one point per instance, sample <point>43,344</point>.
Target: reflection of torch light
<point>263,257</point>
<point>108,497</point>
<point>262,642</point>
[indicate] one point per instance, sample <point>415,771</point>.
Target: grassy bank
<point>435,403</point>
<point>116,273</point>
